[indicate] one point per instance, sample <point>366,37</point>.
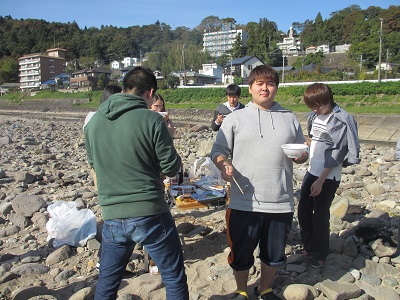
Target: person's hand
<point>227,172</point>
<point>316,188</point>
<point>166,117</point>
<point>303,158</point>
<point>219,119</point>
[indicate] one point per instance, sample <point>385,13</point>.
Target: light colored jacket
<point>253,138</point>
<point>345,148</point>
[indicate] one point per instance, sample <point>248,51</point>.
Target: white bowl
<point>294,150</point>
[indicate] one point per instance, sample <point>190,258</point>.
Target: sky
<point>176,13</point>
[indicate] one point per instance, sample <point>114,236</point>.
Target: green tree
<point>8,70</point>
<point>172,81</point>
<point>102,81</point>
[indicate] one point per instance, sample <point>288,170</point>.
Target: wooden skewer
<point>237,184</point>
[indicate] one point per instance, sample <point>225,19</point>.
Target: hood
<point>276,107</point>
<point>118,104</point>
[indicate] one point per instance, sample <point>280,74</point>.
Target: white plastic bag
<point>204,166</point>
<point>67,225</point>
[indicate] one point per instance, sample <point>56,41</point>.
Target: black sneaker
<point>316,263</point>
<point>265,296</point>
<point>240,295</point>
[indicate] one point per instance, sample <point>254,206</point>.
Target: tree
<point>315,58</point>
<point>238,50</point>
<point>172,81</point>
<point>8,70</point>
<point>102,81</point>
<point>210,24</point>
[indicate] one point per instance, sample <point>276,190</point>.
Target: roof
<point>279,69</point>
<point>10,85</point>
<point>92,70</point>
<point>60,76</point>
<point>239,61</point>
<point>49,82</point>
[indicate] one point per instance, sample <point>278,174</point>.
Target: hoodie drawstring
<point>259,122</point>
<point>272,120</point>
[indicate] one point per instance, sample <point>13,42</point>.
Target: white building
<point>217,43</point>
<point>291,46</point>
<point>342,48</point>
<point>116,65</point>
<point>323,48</point>
<point>130,61</point>
<point>240,67</point>
<point>212,70</point>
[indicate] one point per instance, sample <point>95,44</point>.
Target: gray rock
<point>336,245</point>
<point>371,279</point>
<point>381,250</point>
<point>64,275</point>
<point>300,292</point>
<point>26,205</point>
<point>25,177</point>
<point>59,255</point>
<point>295,268</point>
<point>30,268</point>
<point>335,291</point>
<point>375,189</point>
<point>10,230</point>
<point>350,247</point>
<point>5,140</point>
<point>5,208</point>
<point>86,293</point>
<point>18,220</point>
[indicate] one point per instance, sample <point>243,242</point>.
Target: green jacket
<point>129,147</point>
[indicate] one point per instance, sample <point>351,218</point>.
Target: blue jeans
<point>158,234</point>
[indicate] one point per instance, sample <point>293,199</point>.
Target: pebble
<point>44,160</point>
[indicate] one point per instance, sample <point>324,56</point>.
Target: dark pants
<point>314,215</point>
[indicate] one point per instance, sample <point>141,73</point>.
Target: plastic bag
<point>67,225</point>
<point>204,167</point>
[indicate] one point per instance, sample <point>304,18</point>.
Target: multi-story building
<point>40,67</point>
<point>88,78</point>
<point>217,43</point>
<point>291,45</point>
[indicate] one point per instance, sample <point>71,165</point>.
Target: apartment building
<point>40,67</point>
<point>217,43</point>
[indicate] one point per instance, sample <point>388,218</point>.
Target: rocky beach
<point>43,160</point>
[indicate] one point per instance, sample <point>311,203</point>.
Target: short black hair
<point>139,80</point>
<point>233,90</point>
<point>110,90</point>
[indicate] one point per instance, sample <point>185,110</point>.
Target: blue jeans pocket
<point>151,229</point>
<point>144,230</point>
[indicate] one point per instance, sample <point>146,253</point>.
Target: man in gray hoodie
<point>248,149</point>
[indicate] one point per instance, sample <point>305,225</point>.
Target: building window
<point>249,67</point>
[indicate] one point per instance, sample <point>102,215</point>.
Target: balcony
<point>29,61</point>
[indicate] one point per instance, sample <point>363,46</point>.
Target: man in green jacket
<point>129,147</point>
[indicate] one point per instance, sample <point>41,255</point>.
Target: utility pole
<point>231,70</point>
<point>387,62</point>
<point>380,52</point>
<point>182,66</point>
